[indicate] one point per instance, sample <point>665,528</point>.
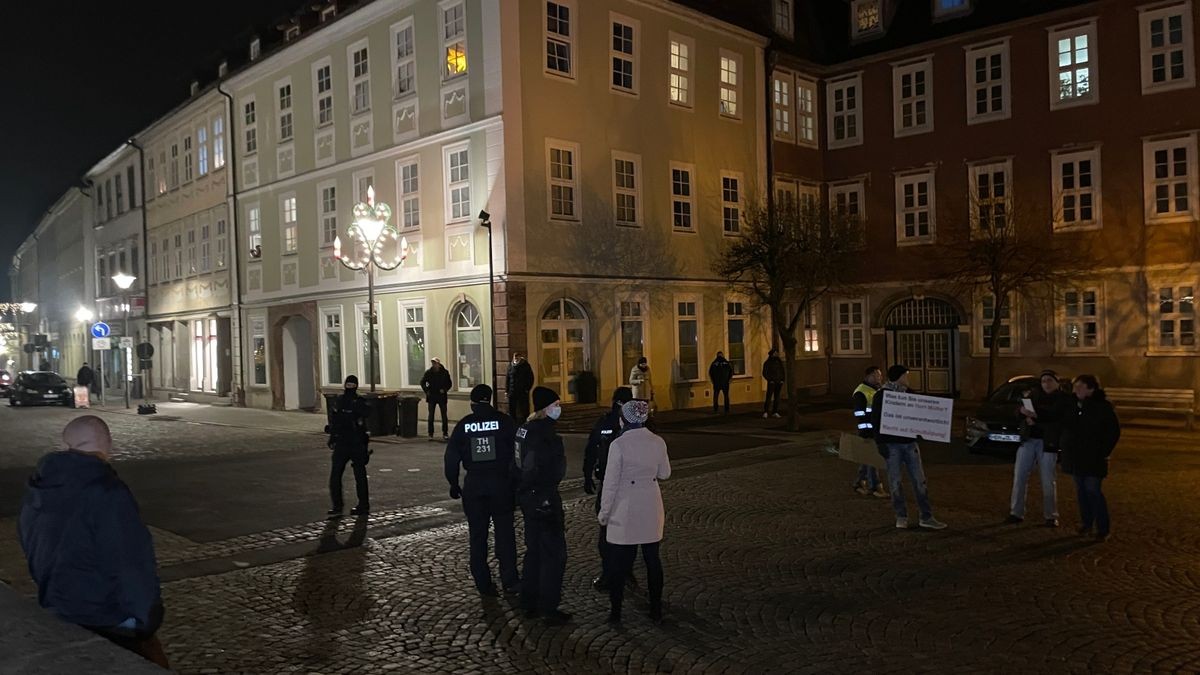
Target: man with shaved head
<point>87,548</point>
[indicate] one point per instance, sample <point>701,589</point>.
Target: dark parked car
<point>5,383</point>
<point>38,387</point>
<point>997,424</point>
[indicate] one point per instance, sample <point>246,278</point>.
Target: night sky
<point>81,77</point>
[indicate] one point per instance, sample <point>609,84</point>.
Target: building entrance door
<point>564,347</point>
<point>922,336</point>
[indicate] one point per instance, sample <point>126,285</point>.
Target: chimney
<point>255,49</point>
<point>223,69</point>
<point>195,87</point>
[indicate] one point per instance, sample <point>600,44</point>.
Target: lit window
<point>332,346</point>
<point>414,344</point>
<point>681,198</point>
<point>866,17</point>
<point>1073,65</point>
<point>943,8</point>
<point>289,225</point>
<point>622,57</point>
<point>468,342</point>
<point>218,142</point>
<point>1170,183</point>
<point>254,230</point>
<point>559,41</point>
<point>987,83</point>
<point>202,149</point>
<point>679,85</point>
<point>782,103</point>
<point>730,64</point>
<point>1167,60</point>
<point>812,330</point>
<point>258,350</point>
<point>454,34</point>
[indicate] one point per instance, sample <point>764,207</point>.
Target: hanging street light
<point>366,238</point>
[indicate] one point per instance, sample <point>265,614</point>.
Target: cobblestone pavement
<point>773,565</point>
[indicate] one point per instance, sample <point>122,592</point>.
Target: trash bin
<point>330,399</point>
<point>381,421</point>
<point>409,409</point>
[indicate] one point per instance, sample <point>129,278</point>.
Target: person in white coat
<point>631,506</point>
<point>639,380</point>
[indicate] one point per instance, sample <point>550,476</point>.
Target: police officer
<point>348,438</point>
<point>483,442</point>
<point>542,464</point>
<point>595,458</point>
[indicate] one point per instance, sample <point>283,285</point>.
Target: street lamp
<point>366,237</point>
<point>123,282</point>
<point>28,307</point>
<point>485,221</point>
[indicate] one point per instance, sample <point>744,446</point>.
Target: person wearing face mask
<point>483,443</point>
<point>542,463</point>
<point>639,380</point>
<point>519,382</point>
<point>348,439</point>
<point>632,508</point>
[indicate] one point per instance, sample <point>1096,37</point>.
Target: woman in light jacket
<point>639,380</point>
<point>631,505</point>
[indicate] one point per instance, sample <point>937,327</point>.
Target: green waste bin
<point>409,409</point>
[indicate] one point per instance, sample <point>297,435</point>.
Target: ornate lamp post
<point>123,282</point>
<point>366,238</point>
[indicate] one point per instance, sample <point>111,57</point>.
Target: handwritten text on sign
<point>913,415</point>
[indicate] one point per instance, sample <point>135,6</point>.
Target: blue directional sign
<point>100,330</point>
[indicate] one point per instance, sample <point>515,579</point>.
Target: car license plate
<point>49,395</point>
<point>1005,438</point>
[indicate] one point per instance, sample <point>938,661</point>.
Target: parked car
<point>40,387</point>
<point>5,383</point>
<point>996,425</point>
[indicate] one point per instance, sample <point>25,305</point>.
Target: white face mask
<point>554,411</point>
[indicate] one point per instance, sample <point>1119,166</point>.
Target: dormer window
<point>328,12</point>
<point>195,88</point>
<point>223,69</point>
<point>291,33</point>
<point>255,49</point>
<point>945,8</point>
<point>783,17</point>
<point>867,17</point>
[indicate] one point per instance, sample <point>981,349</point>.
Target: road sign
<point>102,344</point>
<point>126,343</point>
<point>100,330</point>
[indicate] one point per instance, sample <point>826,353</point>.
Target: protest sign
<point>916,416</point>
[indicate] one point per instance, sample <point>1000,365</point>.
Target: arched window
<point>468,346</point>
<point>565,339</point>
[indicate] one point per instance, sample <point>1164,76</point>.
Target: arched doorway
<point>299,391</point>
<point>922,334</point>
<point>565,353</point>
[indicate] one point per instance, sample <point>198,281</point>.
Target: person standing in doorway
<point>1041,431</point>
<point>436,384</point>
<point>519,384</point>
<point>721,374</point>
<point>542,464</point>
<point>867,482</point>
<point>902,453</point>
<point>1090,433</point>
<point>773,373</point>
<point>348,438</point>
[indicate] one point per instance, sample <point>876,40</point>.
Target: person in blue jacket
<point>87,548</point>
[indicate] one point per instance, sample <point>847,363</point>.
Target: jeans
<point>869,475</point>
<point>1029,454</point>
<point>771,403</point>
<point>432,409</point>
<point>1093,507</point>
<point>494,509</point>
<point>358,460</point>
<point>621,563</point>
<point>908,455</point>
<point>717,391</point>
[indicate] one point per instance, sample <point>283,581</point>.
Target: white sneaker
<point>902,523</point>
<point>932,523</point>
<point>765,416</point>
<point>777,415</point>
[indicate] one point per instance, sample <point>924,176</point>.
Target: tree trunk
<point>789,379</point>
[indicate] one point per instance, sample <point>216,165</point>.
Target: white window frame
<point>218,142</point>
<point>327,211</point>
<point>1147,14</point>
<point>841,192</point>
<point>405,196</point>
<point>222,243</point>
<point>407,61</point>
<point>729,100</point>
<point>1065,319</point>
<point>979,344</point>
<point>987,51</point>
<point>191,251</point>
<point>808,126</point>
<point>326,312</point>
<point>423,324</point>
<point>635,192</point>
<point>201,151</point>
<point>249,126</point>
<point>363,77</point>
<point>689,199</point>
<point>642,300</point>
<point>850,328</point>
<point>452,186</point>
<point>913,180</point>
<point>289,224</point>
<point>1151,183</point>
<point>783,106</point>
<point>1071,32</point>
<point>784,18</point>
<point>742,306</point>
<point>120,194</point>
<point>557,39</point>
<point>554,145</point>
<point>858,31</point>
<point>680,67</point>
<point>205,265</point>
<point>258,331</point>
<point>737,204</point>
<point>189,171</point>
<point>697,302</point>
<point>1059,193</point>
<point>456,41</point>
<point>633,58</point>
<point>358,178</point>
<point>360,328</point>
<point>849,115</point>
<point>285,110</point>
<point>1157,317</point>
<point>989,167</point>
<point>151,177</point>
<point>811,339</point>
<point>919,67</point>
<point>808,195</point>
<point>253,230</point>
<point>323,100</point>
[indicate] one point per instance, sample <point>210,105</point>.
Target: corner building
<point>613,143</point>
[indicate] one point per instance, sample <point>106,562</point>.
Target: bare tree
<point>785,261</point>
<point>1009,250</point>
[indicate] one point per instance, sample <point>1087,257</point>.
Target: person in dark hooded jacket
<point>1090,433</point>
<point>595,459</point>
<point>87,548</point>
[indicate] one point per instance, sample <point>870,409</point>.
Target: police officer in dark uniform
<point>348,438</point>
<point>542,464</point>
<point>595,458</point>
<point>483,442</point>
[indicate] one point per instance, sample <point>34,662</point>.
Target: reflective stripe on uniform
<point>865,425</point>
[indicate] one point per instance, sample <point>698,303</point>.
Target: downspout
<point>145,271</point>
<point>235,281</point>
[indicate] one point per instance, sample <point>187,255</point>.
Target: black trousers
<point>771,404</point>
<point>496,510</point>
<point>357,457</point>
<point>620,562</point>
<point>602,541</point>
<point>432,409</point>
<point>518,405</point>
<point>545,561</point>
<point>719,389</point>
